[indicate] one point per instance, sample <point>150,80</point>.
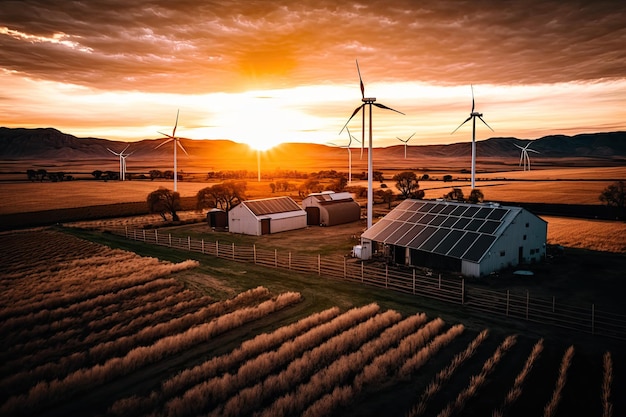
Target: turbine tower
<point>367,101</point>
<point>524,159</point>
<point>405,141</point>
<point>122,161</point>
<point>176,140</point>
<point>473,115</point>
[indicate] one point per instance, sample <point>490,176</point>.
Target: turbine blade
<point>113,152</point>
<point>382,106</point>
<point>176,124</point>
<point>182,147</point>
<point>532,150</point>
<point>481,119</point>
<point>163,143</point>
<point>518,146</point>
<point>472,97</point>
<point>360,79</point>
<point>466,120</point>
<point>125,148</point>
<point>353,114</point>
<point>411,136</point>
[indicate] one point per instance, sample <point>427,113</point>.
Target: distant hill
<point>51,144</point>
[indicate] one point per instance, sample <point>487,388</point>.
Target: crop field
<point>90,330</point>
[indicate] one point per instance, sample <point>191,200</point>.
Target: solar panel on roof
<point>434,240</point>
<point>422,237</point>
<point>489,227</point>
<point>398,233</point>
<point>463,245</point>
<point>470,211</point>
<point>403,205</point>
<point>427,207</point>
<point>384,234</point>
<point>437,208</point>
<point>461,223</point>
<point>406,215</point>
<point>480,246</point>
<point>394,214</point>
<point>404,240</point>
<point>427,218</point>
<point>483,213</point>
<point>376,228</point>
<point>474,224</point>
<point>458,211</point>
<point>447,209</point>
<point>415,218</point>
<point>446,244</point>
<point>449,222</point>
<point>437,220</point>
<point>497,214</point>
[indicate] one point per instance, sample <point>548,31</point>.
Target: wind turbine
<point>405,141</point>
<point>177,143</point>
<point>367,101</point>
<point>473,115</point>
<point>524,159</point>
<point>349,154</point>
<point>122,161</point>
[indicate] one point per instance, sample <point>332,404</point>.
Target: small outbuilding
<point>473,239</point>
<point>265,216</point>
<point>329,208</point>
<point>217,219</point>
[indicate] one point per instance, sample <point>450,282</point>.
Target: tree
<point>32,175</point>
<point>226,195</point>
<point>339,184</point>
<point>615,196</point>
<point>164,201</point>
<point>41,174</point>
<point>455,195</point>
<point>476,196</point>
<point>407,184</point>
<point>155,173</point>
<point>97,174</point>
<point>386,195</point>
<point>273,187</point>
<point>447,178</point>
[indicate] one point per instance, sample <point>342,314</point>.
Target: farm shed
<point>265,216</point>
<point>474,239</point>
<point>329,208</point>
<point>217,219</point>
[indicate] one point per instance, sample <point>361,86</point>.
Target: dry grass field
<point>89,330</point>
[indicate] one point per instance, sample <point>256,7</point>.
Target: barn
<point>265,216</point>
<point>474,239</point>
<point>217,219</point>
<point>329,208</point>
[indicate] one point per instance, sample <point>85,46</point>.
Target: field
<point>91,330</point>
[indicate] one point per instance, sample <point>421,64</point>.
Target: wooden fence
<point>407,280</point>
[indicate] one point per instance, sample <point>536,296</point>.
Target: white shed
<point>474,239</point>
<point>265,216</point>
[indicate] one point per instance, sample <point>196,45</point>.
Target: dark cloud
<point>202,46</point>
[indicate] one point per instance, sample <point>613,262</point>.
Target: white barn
<point>329,208</point>
<point>474,239</point>
<point>265,216</point>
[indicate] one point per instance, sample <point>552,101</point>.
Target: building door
<point>520,256</point>
<point>265,226</point>
<point>312,216</point>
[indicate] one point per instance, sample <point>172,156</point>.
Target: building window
<point>527,225</point>
<point>524,238</point>
<point>502,253</point>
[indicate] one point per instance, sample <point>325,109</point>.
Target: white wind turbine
<point>176,140</point>
<point>367,101</point>
<point>524,159</point>
<point>122,161</point>
<point>348,147</point>
<point>473,115</point>
<point>405,141</point>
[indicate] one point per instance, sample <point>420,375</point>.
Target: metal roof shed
<point>330,208</point>
<point>265,216</point>
<point>474,239</point>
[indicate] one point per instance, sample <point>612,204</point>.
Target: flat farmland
<point>92,330</point>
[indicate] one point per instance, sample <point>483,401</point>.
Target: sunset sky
<point>284,71</point>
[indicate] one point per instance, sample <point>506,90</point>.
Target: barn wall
<point>241,220</point>
<point>288,223</point>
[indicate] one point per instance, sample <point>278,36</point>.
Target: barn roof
<point>274,205</point>
<point>459,230</point>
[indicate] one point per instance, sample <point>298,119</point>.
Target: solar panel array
<point>272,205</point>
<point>457,230</point>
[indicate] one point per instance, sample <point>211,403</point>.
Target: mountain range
<point>51,144</point>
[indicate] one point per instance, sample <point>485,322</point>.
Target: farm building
<point>474,239</point>
<point>265,216</point>
<point>329,208</point>
<point>217,219</point>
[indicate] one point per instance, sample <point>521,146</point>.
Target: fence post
<point>169,239</point>
<point>345,272</point>
<point>156,236</point>
<point>463,291</point>
<point>319,264</point>
<point>593,318</point>
<point>413,281</point>
<point>189,243</point>
<point>202,245</point>
<point>217,248</point>
<point>507,302</point>
<point>233,251</point>
<point>126,232</point>
<point>386,276</point>
<point>144,235</point>
<point>439,281</point>
<point>527,302</point>
<point>254,252</point>
<point>134,234</point>
<point>290,260</point>
<point>275,258</point>
<point>362,271</point>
